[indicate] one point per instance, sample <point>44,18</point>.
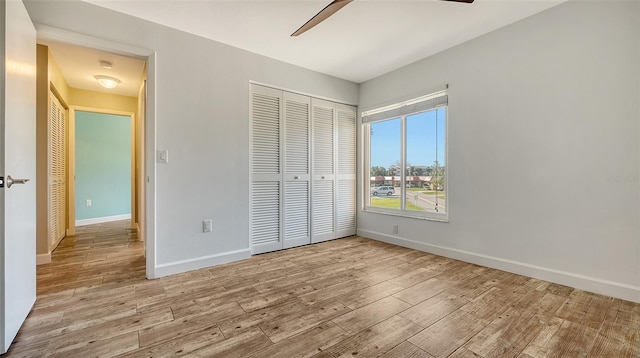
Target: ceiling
<point>365,39</point>
<point>80,65</point>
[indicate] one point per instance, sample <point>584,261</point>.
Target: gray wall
<point>543,147</point>
<point>202,119</point>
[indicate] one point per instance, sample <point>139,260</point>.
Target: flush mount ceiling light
<point>107,81</point>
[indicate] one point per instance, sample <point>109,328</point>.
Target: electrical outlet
<point>207,225</point>
<point>89,202</point>
<point>395,229</point>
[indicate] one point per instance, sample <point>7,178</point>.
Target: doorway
<point>73,71</point>
<point>103,152</point>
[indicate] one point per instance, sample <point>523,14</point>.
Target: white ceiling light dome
<point>107,81</point>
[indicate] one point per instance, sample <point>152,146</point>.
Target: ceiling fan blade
<point>465,1</point>
<point>323,15</point>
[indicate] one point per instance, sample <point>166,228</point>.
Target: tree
<point>410,170</point>
<point>437,176</point>
<point>394,169</point>
<point>419,170</point>
<point>428,171</point>
<point>378,171</point>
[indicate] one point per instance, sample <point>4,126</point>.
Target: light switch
<point>163,156</point>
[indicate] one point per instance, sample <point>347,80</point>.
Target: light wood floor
<point>351,297</point>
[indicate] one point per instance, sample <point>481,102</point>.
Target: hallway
<point>100,254</point>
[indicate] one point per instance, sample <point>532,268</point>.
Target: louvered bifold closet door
<point>346,171</point>
<point>323,174</point>
<point>297,111</point>
<point>56,171</point>
<point>62,172</point>
<point>52,168</point>
<point>266,170</point>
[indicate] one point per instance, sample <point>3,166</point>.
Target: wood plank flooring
<point>351,297</point>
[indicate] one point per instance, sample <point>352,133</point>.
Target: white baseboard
<point>104,219</point>
<point>586,283</point>
<point>198,263</point>
<point>42,259</point>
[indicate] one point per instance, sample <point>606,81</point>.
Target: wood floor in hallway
<point>352,297</point>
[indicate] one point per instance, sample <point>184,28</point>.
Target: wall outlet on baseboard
<point>89,202</point>
<point>207,226</point>
<point>395,229</point>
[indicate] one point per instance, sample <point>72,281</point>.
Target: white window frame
<point>402,111</point>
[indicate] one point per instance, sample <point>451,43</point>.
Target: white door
<point>18,160</point>
<point>57,172</point>
<point>323,159</point>
<point>296,170</point>
<point>265,199</point>
<point>346,171</point>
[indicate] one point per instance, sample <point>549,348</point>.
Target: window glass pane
<point>385,164</point>
<point>426,161</point>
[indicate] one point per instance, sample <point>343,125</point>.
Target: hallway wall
<point>102,168</point>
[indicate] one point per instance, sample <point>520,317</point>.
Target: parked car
<point>383,190</point>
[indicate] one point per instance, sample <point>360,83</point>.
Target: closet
<point>302,170</point>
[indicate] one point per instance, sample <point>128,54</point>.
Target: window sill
<point>444,218</point>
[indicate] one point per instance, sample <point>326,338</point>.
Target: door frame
<point>148,166</point>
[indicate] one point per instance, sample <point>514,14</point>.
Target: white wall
<point>543,148</point>
<point>202,119</point>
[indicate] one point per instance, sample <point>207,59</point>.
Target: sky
<point>421,139</point>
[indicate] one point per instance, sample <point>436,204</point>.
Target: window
<point>405,146</point>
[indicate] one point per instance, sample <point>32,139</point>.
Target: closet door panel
<point>296,220</point>
<point>323,139</point>
<point>323,159</point>
<point>265,132</point>
<point>265,201</point>
<point>62,172</point>
<point>346,171</point>
<point>323,210</point>
<point>265,216</point>
<point>52,168</point>
<point>297,110</point>
<point>57,170</point>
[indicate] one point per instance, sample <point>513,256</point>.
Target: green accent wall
<point>103,165</point>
